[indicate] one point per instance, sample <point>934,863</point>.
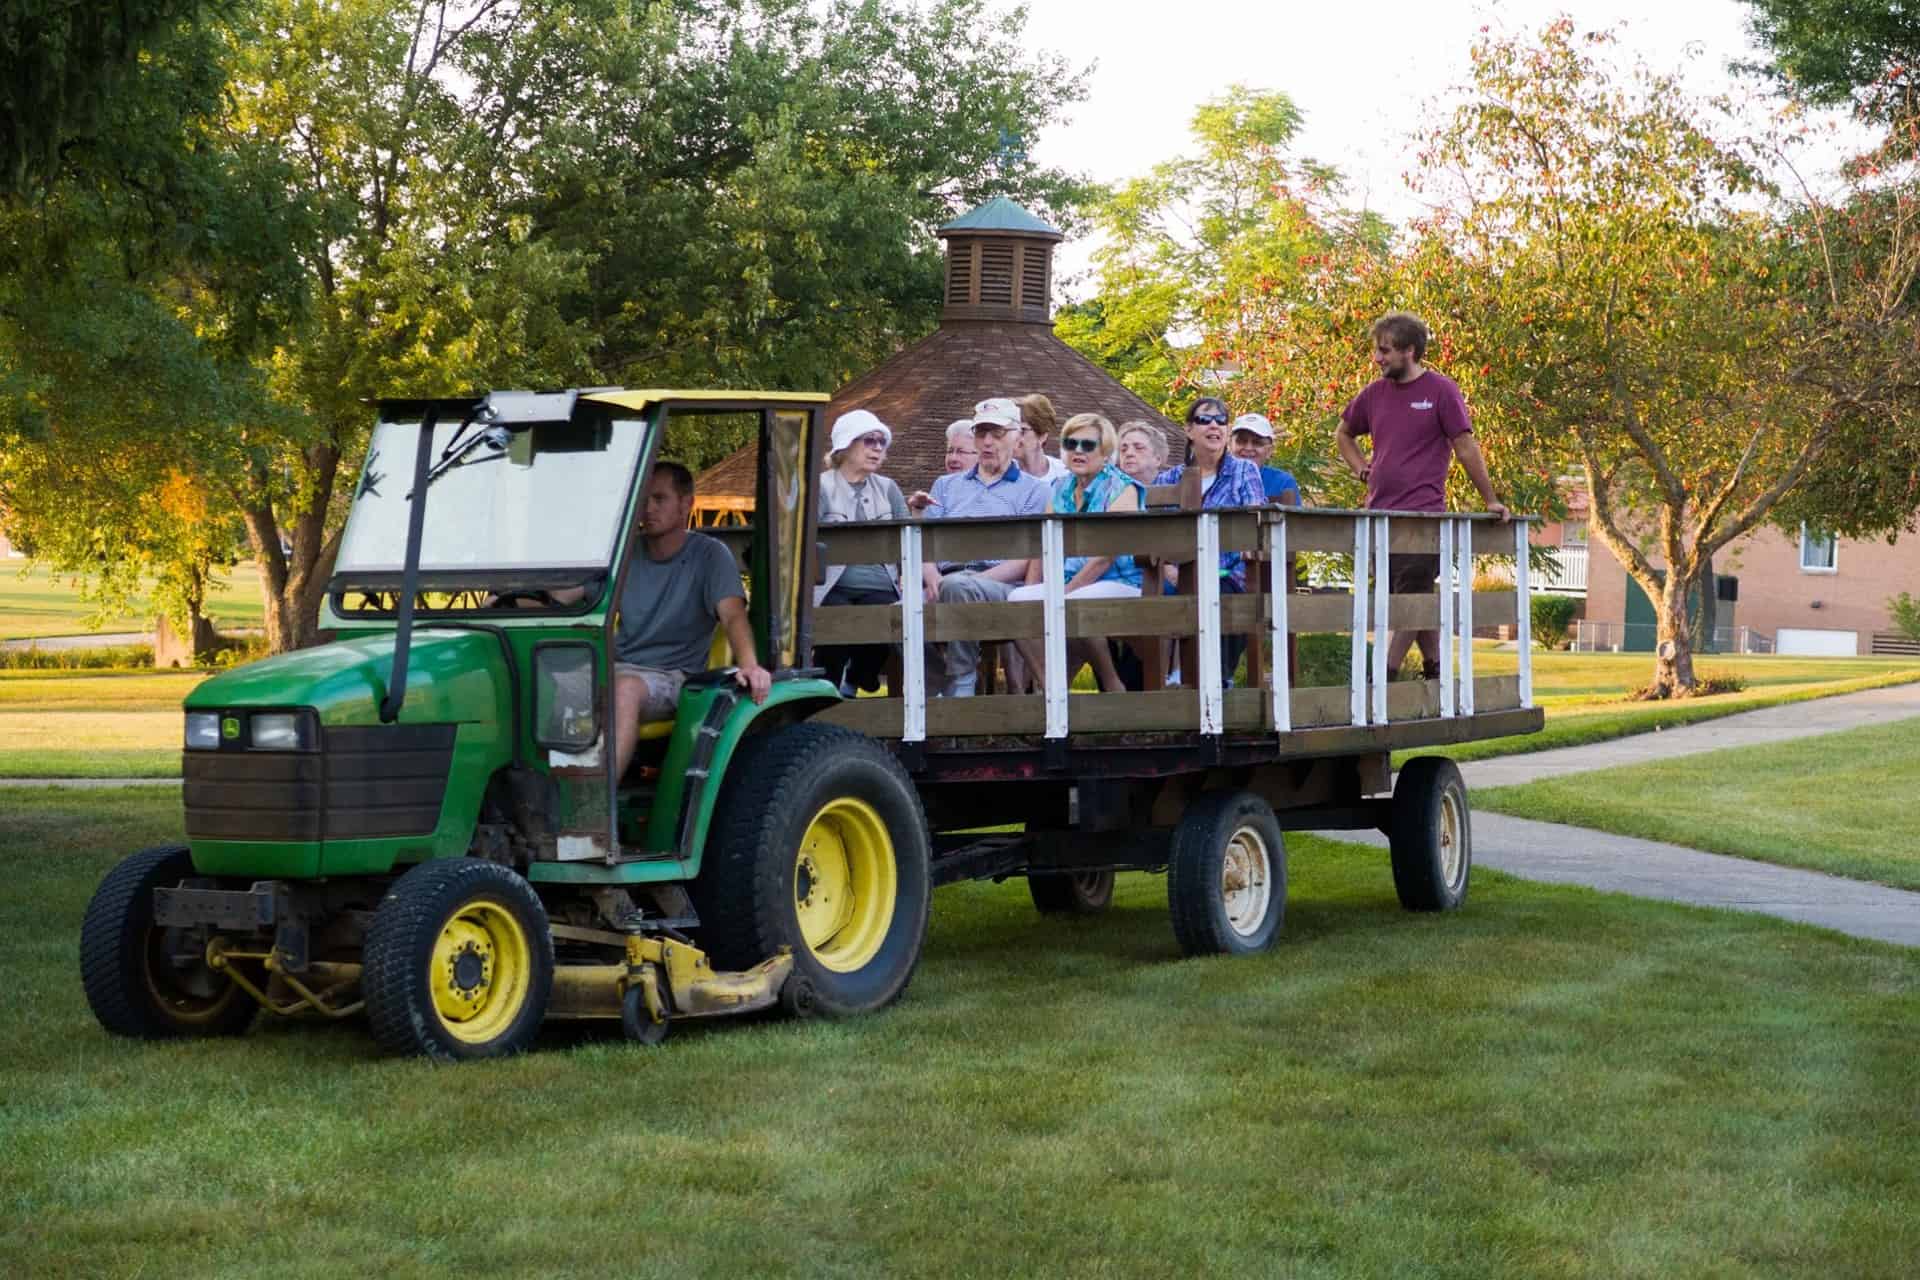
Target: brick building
<point>1775,592</point>
<point>995,338</point>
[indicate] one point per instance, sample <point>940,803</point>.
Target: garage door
<point>1809,642</point>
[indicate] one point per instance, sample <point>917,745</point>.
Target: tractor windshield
<point>553,498</point>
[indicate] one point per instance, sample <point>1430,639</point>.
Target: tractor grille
<point>364,782</point>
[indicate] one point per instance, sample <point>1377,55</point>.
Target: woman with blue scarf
<point>1092,483</point>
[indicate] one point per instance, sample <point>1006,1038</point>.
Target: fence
<point>1640,637</point>
<point>1196,619</point>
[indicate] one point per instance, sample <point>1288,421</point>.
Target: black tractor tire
<point>1077,893</point>
<point>458,962</point>
<point>1432,836</point>
<point>819,843</point>
<point>1227,876</point>
<point>139,979</point>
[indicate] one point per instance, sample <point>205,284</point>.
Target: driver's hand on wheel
<point>755,679</point>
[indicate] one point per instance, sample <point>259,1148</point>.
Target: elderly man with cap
<point>995,486</point>
<point>1253,440</point>
<point>852,489</point>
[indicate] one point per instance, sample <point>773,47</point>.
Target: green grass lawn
<point>1552,1082</point>
<point>40,604</point>
<point>1841,803</point>
<point>92,724</point>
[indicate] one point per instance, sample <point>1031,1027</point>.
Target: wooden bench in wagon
<point>1198,780</point>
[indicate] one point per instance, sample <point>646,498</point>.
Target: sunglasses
<point>989,429</point>
<point>1216,419</point>
<point>1079,444</point>
<point>874,441</point>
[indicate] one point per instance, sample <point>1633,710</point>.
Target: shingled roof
<point>995,339</point>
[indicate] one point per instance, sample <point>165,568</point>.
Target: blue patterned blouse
<point>1107,484</point>
<point>1236,483</point>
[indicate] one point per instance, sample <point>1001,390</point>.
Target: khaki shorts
<point>662,698</point>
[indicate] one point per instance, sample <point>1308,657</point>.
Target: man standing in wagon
<point>1419,424</point>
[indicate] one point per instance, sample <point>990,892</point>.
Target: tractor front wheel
<point>146,981</point>
<point>459,962</point>
<point>820,845</point>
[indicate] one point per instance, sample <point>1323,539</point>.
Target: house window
<point>1817,552</point>
<point>1573,535</point>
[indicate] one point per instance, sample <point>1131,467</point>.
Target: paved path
<point>1649,869</point>
<point>1749,728</point>
<point>96,640</point>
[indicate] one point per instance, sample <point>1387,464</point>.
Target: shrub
<point>106,657</point>
<point>1906,615</point>
<point>1718,682</point>
<point>1552,618</point>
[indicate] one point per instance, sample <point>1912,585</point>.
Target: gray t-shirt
<point>669,607</point>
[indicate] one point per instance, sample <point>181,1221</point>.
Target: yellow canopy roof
<point>640,399</point>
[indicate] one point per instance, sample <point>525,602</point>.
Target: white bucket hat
<point>851,426</point>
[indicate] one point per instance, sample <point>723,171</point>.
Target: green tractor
<point>420,820</point>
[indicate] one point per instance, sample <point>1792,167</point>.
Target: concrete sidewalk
<point>1749,728</point>
<point>1555,854</point>
<point>1558,854</point>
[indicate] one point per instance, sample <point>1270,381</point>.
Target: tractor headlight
<point>203,730</point>
<point>281,731</point>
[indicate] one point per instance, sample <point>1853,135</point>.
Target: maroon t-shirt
<point>1413,425</point>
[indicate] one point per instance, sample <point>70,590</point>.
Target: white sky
<point>1364,73</point>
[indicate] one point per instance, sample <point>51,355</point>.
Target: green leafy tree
<point>65,65</point>
<point>1201,243</point>
<point>1841,51</point>
<point>112,372</point>
<point>1696,359</point>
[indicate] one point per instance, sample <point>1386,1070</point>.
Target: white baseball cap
<point>1000,412</point>
<point>1255,423</point>
<point>851,426</point>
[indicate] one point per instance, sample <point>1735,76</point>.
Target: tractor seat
<point>719,654</point>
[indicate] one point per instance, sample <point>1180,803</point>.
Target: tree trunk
<point>1673,640</point>
<point>1706,619</point>
<point>293,578</point>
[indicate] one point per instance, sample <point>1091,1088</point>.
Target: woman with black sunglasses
<point>1225,481</point>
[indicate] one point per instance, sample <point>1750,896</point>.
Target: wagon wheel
<point>1070,892</point>
<point>1227,876</point>
<point>1432,835</point>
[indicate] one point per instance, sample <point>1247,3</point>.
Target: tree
<point>1201,241</point>
<point>1698,345</point>
<point>110,372</point>
<point>508,195</point>
<point>1837,52</point>
<point>65,66</point>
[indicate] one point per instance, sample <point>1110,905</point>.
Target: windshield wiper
<point>495,437</point>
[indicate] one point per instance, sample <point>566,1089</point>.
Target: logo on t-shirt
<point>1421,404</point>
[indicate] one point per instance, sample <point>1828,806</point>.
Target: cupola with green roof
<point>999,264</point>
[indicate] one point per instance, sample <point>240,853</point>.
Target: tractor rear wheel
<point>820,846</point>
<point>151,982</point>
<point>459,962</point>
